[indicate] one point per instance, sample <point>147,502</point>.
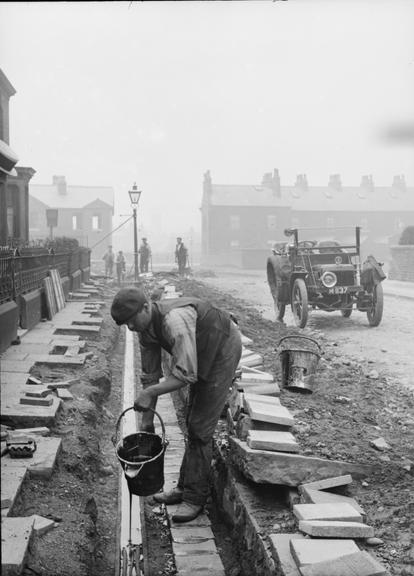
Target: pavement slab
<point>273,413</point>
<point>42,463</point>
<point>268,388</point>
<point>341,511</point>
<point>15,538</point>
<point>327,483</point>
<point>357,564</point>
<point>261,398</point>
<point>310,551</point>
<point>309,496</point>
<point>281,552</point>
<point>265,467</point>
<point>200,565</point>
<point>11,482</point>
<point>272,440</point>
<point>335,529</point>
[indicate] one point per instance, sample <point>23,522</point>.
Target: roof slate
<point>316,198</point>
<point>76,196</point>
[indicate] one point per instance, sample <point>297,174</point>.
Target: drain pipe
<point>129,426</point>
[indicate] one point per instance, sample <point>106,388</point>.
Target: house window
<point>330,222</point>
<point>97,222</point>
<point>75,222</point>
<point>271,222</point>
<point>234,222</point>
<point>234,244</point>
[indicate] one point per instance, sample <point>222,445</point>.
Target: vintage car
<point>310,274</point>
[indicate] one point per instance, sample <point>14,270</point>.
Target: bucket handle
<point>118,422</point>
<point>305,337</point>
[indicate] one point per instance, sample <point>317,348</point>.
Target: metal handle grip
<point>304,337</point>
<point>118,422</point>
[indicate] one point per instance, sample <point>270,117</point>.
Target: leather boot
<point>174,496</point>
<point>187,512</point>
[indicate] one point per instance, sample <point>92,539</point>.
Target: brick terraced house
<point>241,222</point>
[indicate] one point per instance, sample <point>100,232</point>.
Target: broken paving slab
<point>335,529</point>
<point>42,463</point>
<point>327,483</point>
<point>281,552</point>
<point>341,511</point>
<point>42,525</point>
<point>273,413</point>
<point>266,467</point>
<point>309,551</point>
<point>359,563</point>
<point>257,377</point>
<point>11,482</point>
<point>15,538</point>
<point>271,440</point>
<point>309,496</point>
<point>64,394</point>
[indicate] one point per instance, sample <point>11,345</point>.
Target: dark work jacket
<point>212,328</point>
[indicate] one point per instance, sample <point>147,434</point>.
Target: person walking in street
<point>181,255</point>
<point>205,347</point>
<point>120,267</point>
<point>108,258</point>
<point>144,255</point>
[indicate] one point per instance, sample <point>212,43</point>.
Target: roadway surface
<point>388,348</point>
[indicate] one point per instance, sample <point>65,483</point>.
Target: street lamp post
<point>135,195</point>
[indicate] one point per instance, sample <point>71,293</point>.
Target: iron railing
<point>23,270</point>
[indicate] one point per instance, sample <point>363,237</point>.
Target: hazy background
<point>159,92</point>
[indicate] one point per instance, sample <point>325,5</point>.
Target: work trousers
<point>206,401</point>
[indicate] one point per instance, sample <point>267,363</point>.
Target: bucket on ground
<point>299,357</point>
<point>141,456</point>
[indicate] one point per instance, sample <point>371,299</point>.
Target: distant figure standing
<point>181,255</point>
<point>144,255</point>
<point>108,258</point>
<point>120,266</point>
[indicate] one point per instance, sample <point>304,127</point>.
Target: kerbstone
<point>271,440</point>
<point>200,565</point>
<point>282,555</point>
<point>265,467</point>
<point>320,497</point>
<point>341,511</point>
<point>309,551</point>
<point>192,548</point>
<point>335,529</point>
<point>360,563</point>
<point>191,535</point>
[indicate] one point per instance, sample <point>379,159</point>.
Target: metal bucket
<point>298,363</point>
<point>141,456</point>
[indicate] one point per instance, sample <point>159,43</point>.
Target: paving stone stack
<point>330,525</point>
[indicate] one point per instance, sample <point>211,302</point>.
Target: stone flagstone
<point>252,360</point>
<point>321,497</point>
<point>265,467</point>
<point>257,376</point>
<point>282,555</point>
<point>11,481</point>
<point>359,563</point>
<point>269,413</point>
<point>328,483</point>
<point>43,460</point>
<point>310,551</point>
<point>15,538</point>
<point>261,398</point>
<point>341,511</point>
<point>335,529</point>
<point>269,388</point>
<point>271,440</point>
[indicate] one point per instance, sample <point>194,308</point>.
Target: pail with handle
<point>299,357</point>
<point>141,456</point>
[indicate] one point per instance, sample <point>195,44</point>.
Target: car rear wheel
<point>375,313</point>
<point>299,302</point>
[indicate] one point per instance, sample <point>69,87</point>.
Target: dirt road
<point>389,348</point>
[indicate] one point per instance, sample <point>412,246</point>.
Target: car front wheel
<point>375,313</point>
<point>299,302</point>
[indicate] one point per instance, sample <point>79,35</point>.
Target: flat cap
<point>126,303</point>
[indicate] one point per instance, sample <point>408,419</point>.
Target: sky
<point>112,93</point>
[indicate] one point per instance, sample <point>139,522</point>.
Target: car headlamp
<point>329,279</point>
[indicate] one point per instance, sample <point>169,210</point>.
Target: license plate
<point>338,290</point>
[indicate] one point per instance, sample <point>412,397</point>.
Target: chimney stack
<point>207,183</point>
<point>60,183</point>
<point>399,182</point>
<point>276,183</point>
<point>301,182</point>
<point>335,182</point>
<point>367,182</point>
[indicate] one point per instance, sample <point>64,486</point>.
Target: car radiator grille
<point>345,278</point>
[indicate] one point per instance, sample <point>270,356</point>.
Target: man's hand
<point>143,401</point>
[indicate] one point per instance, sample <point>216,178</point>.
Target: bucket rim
<point>164,444</point>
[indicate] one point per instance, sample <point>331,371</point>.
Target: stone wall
<point>9,322</point>
<point>402,263</point>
